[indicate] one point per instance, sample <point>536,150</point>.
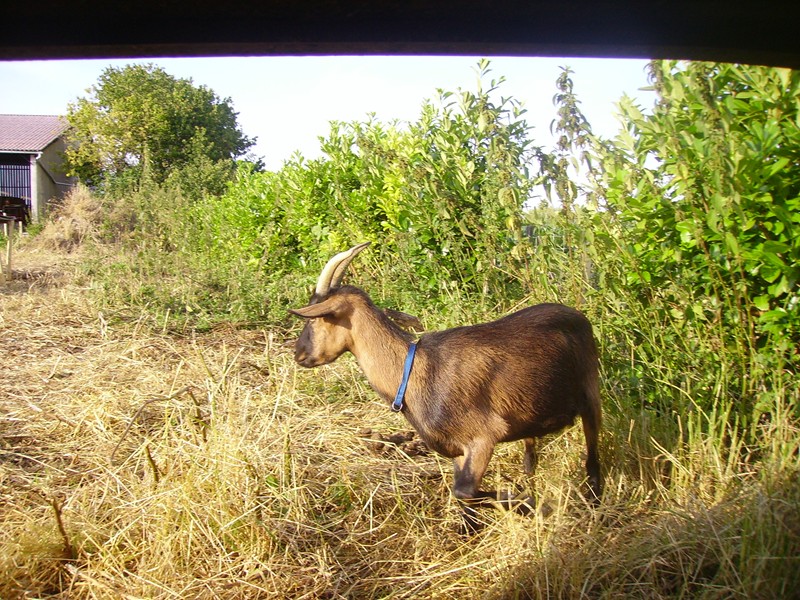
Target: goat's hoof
<point>470,527</point>
<point>593,497</point>
<point>470,523</point>
<point>526,506</point>
<point>516,503</point>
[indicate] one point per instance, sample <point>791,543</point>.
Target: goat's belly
<point>444,446</point>
<point>539,428</point>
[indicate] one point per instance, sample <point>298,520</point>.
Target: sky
<point>287,103</point>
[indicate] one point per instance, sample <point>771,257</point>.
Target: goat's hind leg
<point>527,504</point>
<point>530,459</point>
<point>591,430</point>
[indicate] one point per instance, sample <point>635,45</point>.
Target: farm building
<point>31,163</point>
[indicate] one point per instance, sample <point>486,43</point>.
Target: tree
<point>139,119</point>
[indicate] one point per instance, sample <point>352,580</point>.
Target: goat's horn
<point>333,272</point>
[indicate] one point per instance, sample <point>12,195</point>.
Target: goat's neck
<point>380,347</point>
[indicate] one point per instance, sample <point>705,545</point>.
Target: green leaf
<point>687,229</point>
<point>761,302</point>
<point>777,166</point>
<point>769,273</point>
<point>779,288</point>
<point>731,242</point>
<point>774,247</point>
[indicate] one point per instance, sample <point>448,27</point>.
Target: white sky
<point>287,102</point>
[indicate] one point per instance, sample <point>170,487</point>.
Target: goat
<point>518,378</point>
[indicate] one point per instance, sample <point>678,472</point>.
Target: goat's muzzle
<point>304,361</point>
<point>302,358</point>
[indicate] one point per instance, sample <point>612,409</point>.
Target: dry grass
<point>75,222</point>
<point>136,462</point>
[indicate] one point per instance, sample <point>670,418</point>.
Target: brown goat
<point>518,378</point>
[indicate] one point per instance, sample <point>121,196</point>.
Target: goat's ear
<point>310,312</point>
<point>321,309</point>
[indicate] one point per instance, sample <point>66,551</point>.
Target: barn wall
<point>50,183</point>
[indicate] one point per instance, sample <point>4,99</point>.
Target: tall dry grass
<point>137,461</point>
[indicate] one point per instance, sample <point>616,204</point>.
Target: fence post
<point>8,228</point>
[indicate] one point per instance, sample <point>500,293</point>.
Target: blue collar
<point>397,405</point>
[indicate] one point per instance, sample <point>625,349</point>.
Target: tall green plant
<point>704,195</point>
<point>465,183</point>
<point>716,194</point>
<point>442,198</point>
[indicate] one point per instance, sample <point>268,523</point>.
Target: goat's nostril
<point>300,356</point>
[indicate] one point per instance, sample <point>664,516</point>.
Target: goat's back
<point>535,338</point>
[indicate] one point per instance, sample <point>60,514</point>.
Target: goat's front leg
<point>468,470</point>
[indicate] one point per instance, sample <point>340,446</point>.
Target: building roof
<point>30,133</point>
